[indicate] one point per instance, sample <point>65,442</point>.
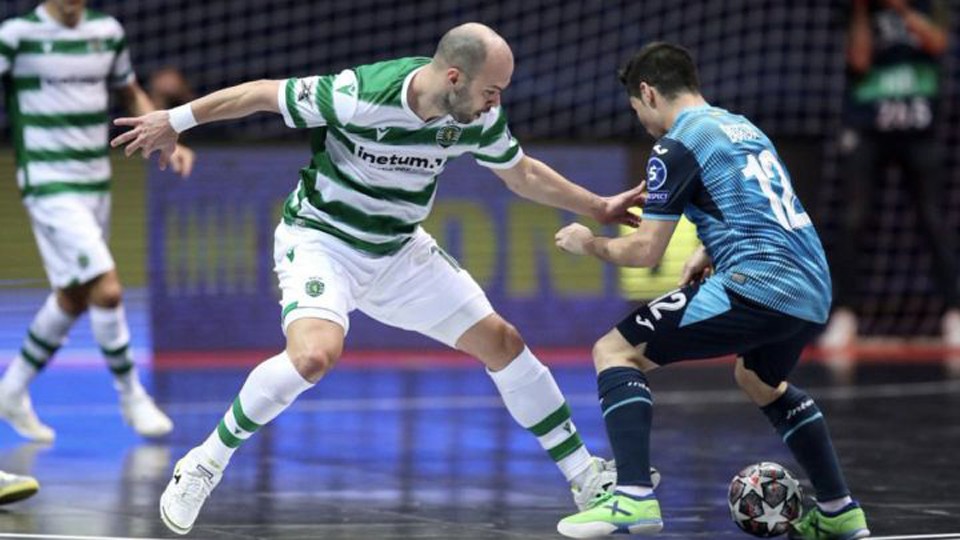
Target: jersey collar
<point>44,16</point>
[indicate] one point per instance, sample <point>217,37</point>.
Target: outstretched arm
<point>535,180</point>
<point>138,103</point>
<point>641,248</point>
<point>159,130</point>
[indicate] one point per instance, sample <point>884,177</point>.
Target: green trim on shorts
<point>287,309</point>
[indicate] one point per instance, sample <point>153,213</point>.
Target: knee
<point>755,388</point>
<point>742,376</point>
<point>313,361</point>
<point>106,292</point>
<point>613,351</point>
<point>600,354</point>
<point>71,302</point>
<point>511,343</point>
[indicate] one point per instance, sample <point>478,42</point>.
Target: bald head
<point>470,69</point>
<point>469,47</point>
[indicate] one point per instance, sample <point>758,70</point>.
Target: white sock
<point>835,505</point>
<point>112,333</point>
<point>46,334</point>
<point>636,491</point>
<point>534,400</point>
<point>269,389</point>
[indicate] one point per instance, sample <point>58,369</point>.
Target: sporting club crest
<point>448,136</point>
<point>314,287</point>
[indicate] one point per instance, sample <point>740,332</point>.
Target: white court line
<point>70,537</point>
<point>669,397</point>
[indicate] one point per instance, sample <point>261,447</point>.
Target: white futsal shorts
<point>420,288</point>
<point>72,232</point>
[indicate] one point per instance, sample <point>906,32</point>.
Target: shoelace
<point>195,488</point>
<point>600,500</point>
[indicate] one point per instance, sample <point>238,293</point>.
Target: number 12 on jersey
<point>766,168</point>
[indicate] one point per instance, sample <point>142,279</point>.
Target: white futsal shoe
<point>142,414</point>
<point>14,487</point>
<point>17,410</point>
<point>194,477</point>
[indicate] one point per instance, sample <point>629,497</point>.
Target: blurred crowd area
<point>782,64</point>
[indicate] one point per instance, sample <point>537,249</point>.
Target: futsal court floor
<point>429,452</point>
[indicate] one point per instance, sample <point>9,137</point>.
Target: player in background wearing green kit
<point>60,61</point>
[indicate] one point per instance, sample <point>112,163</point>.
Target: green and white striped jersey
<point>57,81</point>
<point>373,175</point>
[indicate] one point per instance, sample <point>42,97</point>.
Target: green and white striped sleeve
<point>8,46</point>
<point>322,100</point>
<point>499,149</point>
<point>121,73</point>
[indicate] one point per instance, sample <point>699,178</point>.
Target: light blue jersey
<point>724,175</point>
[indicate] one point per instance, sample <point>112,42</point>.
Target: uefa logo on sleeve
<point>656,174</point>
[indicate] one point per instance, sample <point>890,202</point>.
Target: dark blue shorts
<point>770,342</point>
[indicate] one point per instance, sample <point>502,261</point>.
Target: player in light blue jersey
<point>759,288</point>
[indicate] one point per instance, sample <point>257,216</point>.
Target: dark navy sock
<point>802,426</point>
<point>628,412</point>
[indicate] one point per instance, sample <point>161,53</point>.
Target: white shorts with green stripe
<point>71,231</point>
<point>420,288</point>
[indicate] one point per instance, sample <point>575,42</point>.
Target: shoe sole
<point>147,433</point>
<point>19,492</point>
<point>170,524</point>
<point>154,434</point>
<point>27,434</point>
<point>600,528</point>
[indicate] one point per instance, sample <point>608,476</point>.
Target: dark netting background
<point>776,62</point>
<point>779,62</point>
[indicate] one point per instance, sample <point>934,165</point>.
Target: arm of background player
<point>931,34</point>
<point>641,248</point>
<point>535,180</point>
<point>138,103</point>
<point>860,38</point>
<point>135,100</point>
<point>152,132</point>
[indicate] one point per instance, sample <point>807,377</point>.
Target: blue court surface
<point>430,452</point>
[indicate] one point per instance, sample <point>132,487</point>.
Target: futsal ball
<point>764,498</point>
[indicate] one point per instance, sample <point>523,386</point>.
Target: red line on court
<point>414,358</point>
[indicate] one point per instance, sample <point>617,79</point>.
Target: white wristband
<point>181,118</point>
